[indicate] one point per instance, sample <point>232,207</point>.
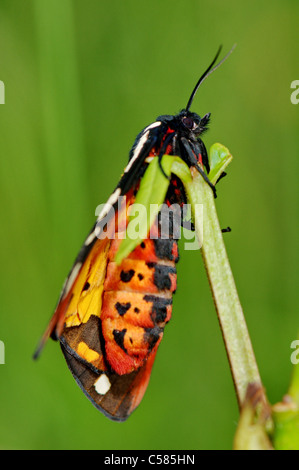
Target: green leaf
<point>219,158</point>
<point>150,197</point>
<point>233,325</point>
<point>152,192</point>
<point>181,170</point>
<point>286,425</point>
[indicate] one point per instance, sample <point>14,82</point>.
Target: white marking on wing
<point>72,278</point>
<point>90,238</point>
<point>102,385</point>
<point>112,200</point>
<point>140,144</point>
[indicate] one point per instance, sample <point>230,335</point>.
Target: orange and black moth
<point>110,317</point>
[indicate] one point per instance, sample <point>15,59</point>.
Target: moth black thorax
<point>186,123</point>
<point>187,144</point>
<point>177,135</point>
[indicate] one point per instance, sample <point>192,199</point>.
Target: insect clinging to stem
<point>110,317</point>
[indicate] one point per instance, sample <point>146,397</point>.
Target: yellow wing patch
<point>87,291</point>
<point>86,353</point>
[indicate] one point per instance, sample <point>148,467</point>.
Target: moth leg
<point>204,154</point>
<point>188,224</point>
<point>193,162</point>
<point>221,176</point>
<point>162,152</point>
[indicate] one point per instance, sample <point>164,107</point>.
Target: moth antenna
<point>208,72</point>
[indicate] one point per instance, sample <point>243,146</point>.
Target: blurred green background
<point>82,78</point>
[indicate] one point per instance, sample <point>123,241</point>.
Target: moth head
<point>193,123</point>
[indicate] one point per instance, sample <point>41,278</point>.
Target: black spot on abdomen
<point>162,278</point>
<point>159,307</point>
<point>126,276</point>
<point>164,249</point>
<point>119,336</point>
<point>152,335</point>
<point>122,308</point>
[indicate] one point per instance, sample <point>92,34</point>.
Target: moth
<point>110,317</point>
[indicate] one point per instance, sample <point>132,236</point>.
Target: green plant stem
<point>237,341</point>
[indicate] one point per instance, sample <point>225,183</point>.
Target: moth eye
<point>189,123</point>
